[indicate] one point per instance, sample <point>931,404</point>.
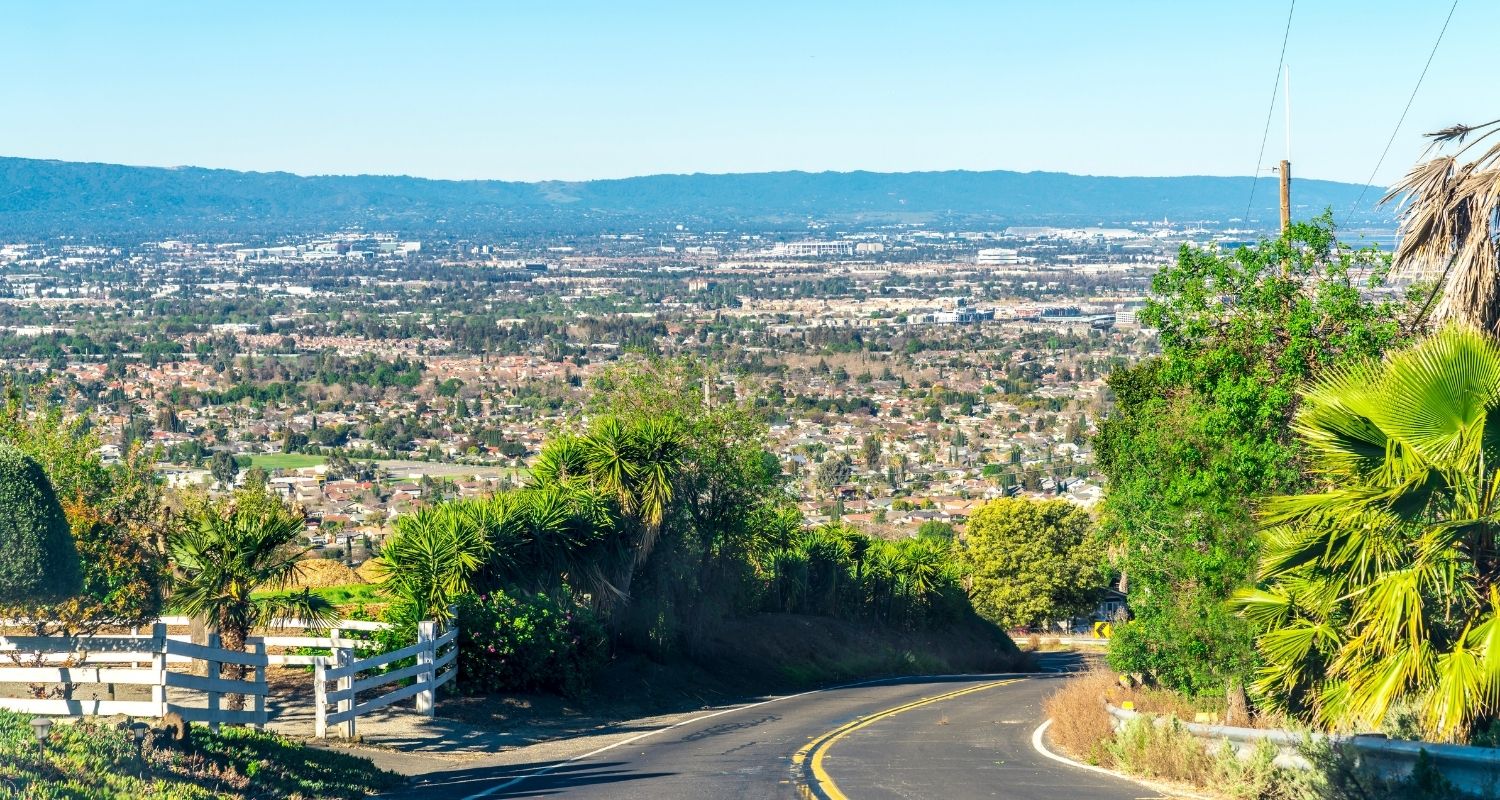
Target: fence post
<point>343,658</point>
<point>159,666</point>
<point>427,657</point>
<point>320,697</point>
<point>261,689</point>
<point>212,666</point>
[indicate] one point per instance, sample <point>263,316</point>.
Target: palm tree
<point>562,460</point>
<point>1448,226</point>
<point>227,552</point>
<point>1383,587</point>
<point>433,558</point>
<point>636,466</point>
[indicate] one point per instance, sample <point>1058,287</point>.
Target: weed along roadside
<point>1161,736</point>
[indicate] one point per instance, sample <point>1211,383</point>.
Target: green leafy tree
<point>939,531</point>
<point>224,468</point>
<point>1201,431</point>
<point>37,557</point>
<point>226,553</point>
<point>1029,563</point>
<point>1382,582</point>
<point>113,511</point>
<point>834,472</point>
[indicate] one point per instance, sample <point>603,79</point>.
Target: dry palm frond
<point>1448,228</point>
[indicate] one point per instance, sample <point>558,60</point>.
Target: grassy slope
<point>759,655</point>
<point>95,760</point>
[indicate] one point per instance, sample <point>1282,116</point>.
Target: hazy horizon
<point>652,174</point>
<point>590,90</point>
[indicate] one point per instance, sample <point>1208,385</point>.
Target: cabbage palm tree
<point>1382,588</point>
<point>226,554</point>
<point>434,557</point>
<point>636,466</point>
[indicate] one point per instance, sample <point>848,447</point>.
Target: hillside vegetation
<point>37,197</point>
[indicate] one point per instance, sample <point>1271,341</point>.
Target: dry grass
<point>1080,725</point>
<point>322,573</point>
<point>1158,747</point>
<point>371,571</point>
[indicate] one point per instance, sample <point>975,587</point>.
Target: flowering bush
<point>526,644</point>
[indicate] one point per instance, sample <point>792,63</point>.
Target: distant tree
<point>256,477</point>
<point>1030,563</point>
<point>941,531</point>
<point>224,468</point>
<point>293,441</point>
<point>38,560</point>
<point>872,451</point>
<point>834,472</point>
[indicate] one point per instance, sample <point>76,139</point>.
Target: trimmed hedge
<point>37,557</point>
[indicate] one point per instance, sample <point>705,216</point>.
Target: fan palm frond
<point>1380,587</point>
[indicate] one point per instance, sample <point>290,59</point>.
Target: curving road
<point>952,738</point>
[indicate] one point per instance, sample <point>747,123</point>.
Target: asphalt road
<point>953,738</point>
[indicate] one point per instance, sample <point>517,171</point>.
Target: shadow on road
<point>560,777</point>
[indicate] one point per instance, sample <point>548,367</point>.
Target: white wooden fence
<point>148,656</point>
<point>147,660</point>
<point>436,664</point>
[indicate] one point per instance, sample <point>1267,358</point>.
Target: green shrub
<point>37,556</point>
<point>508,643</point>
<point>97,759</point>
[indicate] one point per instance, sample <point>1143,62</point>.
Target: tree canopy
<point>38,560</point>
<point>1202,430</point>
<point>1029,563</point>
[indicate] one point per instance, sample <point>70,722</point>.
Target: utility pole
<point>1286,195</point>
<point>1286,163</point>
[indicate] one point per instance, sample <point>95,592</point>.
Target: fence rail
<point>157,649</point>
<point>436,664</point>
<point>143,660</point>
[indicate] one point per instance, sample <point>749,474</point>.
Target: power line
<point>1270,109</point>
<point>1399,122</point>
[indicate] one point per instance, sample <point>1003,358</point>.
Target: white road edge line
<point>500,787</point>
<point>1038,744</point>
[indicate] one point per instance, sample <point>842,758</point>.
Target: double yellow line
<point>808,761</point>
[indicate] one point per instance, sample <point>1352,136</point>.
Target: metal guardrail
<point>1475,770</point>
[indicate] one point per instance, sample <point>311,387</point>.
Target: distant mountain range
<point>40,198</point>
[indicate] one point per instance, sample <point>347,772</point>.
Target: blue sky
<point>574,90</point>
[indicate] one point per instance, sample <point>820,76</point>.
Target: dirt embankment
<point>761,655</point>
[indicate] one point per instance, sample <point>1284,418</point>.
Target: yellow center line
<point>820,745</point>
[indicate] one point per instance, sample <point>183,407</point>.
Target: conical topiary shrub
<point>37,558</point>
